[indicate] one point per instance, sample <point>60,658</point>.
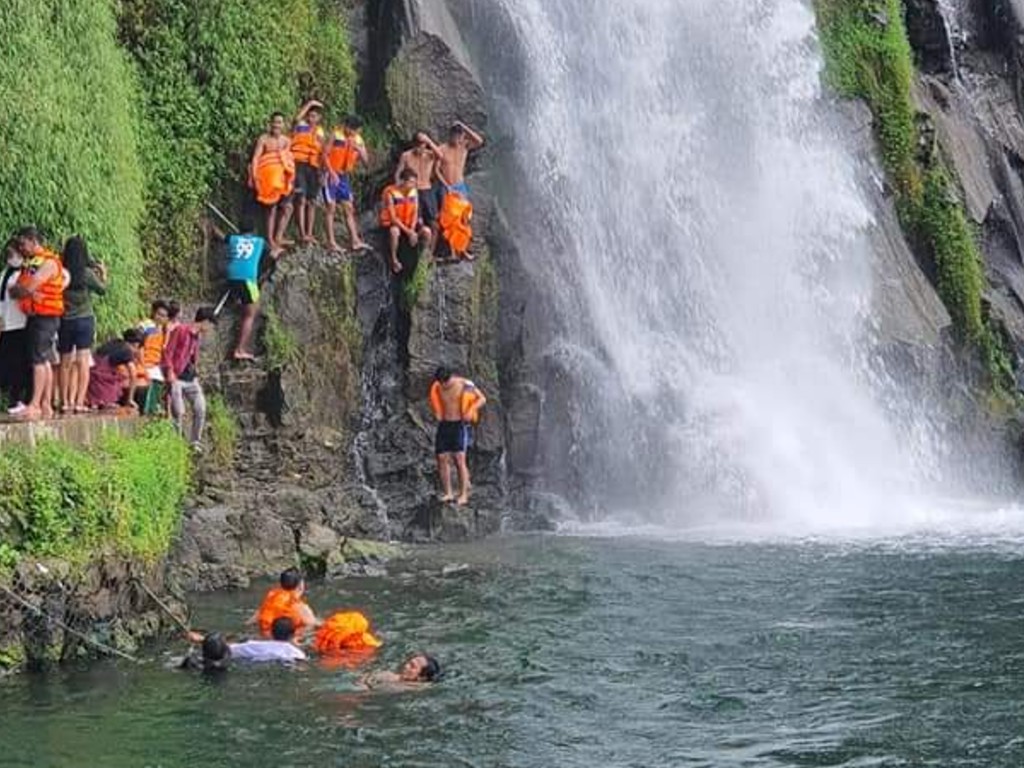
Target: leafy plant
<point>224,431</point>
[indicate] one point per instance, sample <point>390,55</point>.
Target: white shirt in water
<point>266,650</point>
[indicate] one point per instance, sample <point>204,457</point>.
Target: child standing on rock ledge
<point>456,403</point>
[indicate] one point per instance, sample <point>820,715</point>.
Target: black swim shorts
<point>452,437</point>
<point>307,181</point>
<point>42,339</point>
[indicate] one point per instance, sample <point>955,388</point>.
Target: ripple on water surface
<point>577,651</point>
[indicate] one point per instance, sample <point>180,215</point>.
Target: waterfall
<point>687,208</point>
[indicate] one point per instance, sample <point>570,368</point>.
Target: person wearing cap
<point>180,366</point>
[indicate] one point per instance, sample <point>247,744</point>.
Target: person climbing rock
<point>416,671</point>
<point>456,403</point>
<point>307,146</point>
<point>272,176</point>
<point>244,251</point>
<point>455,207</point>
<point>180,366</point>
<point>288,599</point>
<point>400,216</point>
<point>40,289</point>
<point>422,159</point>
<point>344,151</point>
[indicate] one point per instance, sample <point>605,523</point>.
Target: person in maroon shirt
<point>180,365</point>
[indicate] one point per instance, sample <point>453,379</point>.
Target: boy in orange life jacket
<point>286,600</point>
<point>308,151</point>
<point>422,159</point>
<point>40,289</point>
<point>400,215</point>
<point>456,403</point>
<point>272,177</point>
<point>343,151</point>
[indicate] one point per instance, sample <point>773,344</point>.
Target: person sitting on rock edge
<point>423,160</point>
<point>288,600</point>
<point>456,403</point>
<point>400,216</point>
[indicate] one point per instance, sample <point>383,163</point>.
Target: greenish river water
<point>576,651</point>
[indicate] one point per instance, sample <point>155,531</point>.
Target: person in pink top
<point>180,366</point>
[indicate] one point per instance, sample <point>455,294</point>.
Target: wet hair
<point>173,309</point>
<point>353,122</point>
<point>76,261</point>
<point>206,315</point>
<point>275,115</point>
<point>431,671</point>
<point>283,629</point>
<point>157,305</point>
<point>442,374</point>
<point>456,130</point>
<point>315,111</point>
<point>216,651</point>
<point>133,336</point>
<point>291,579</point>
<point>408,174</point>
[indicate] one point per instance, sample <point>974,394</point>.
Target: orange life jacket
<point>470,397</point>
<point>48,299</point>
<point>280,602</point>
<point>343,154</point>
<point>344,631</point>
<point>306,144</point>
<point>275,176</point>
<point>153,342</point>
<point>455,222</point>
<point>406,206</point>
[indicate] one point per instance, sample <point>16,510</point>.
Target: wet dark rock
<point>929,35</point>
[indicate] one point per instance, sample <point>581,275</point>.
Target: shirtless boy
<point>422,159</point>
<point>271,173</point>
<point>456,402</point>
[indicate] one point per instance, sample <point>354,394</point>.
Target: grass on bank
<point>868,56</point>
<point>123,494</point>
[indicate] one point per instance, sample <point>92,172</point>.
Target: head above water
<point>216,651</point>
<point>292,579</point>
<point>443,374</point>
<point>420,668</point>
<point>283,629</point>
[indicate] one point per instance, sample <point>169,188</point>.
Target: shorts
<point>430,204</point>
<point>341,192</point>
<point>245,291</point>
<point>76,333</point>
<point>42,339</point>
<point>307,181</point>
<point>461,189</point>
<point>452,437</point>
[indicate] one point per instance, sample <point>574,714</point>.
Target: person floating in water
<point>216,652</point>
<point>344,150</point>
<point>416,671</point>
<point>400,216</point>
<point>286,601</point>
<point>456,209</point>
<point>272,177</point>
<point>456,403</point>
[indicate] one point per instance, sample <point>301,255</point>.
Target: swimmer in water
<point>217,652</point>
<point>417,671</point>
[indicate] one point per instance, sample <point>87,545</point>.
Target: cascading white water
<point>690,210</point>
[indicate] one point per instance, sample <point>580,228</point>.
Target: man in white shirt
<point>217,652</point>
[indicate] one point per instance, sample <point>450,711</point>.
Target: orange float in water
<point>345,632</point>
<point>280,603</point>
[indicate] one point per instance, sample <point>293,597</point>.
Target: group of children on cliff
<point>47,325</point>
<point>294,173</point>
<point>48,364</point>
<point>289,631</point>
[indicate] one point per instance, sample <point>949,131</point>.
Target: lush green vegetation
<point>223,429</point>
<point>120,119</point>
<point>123,494</point>
<point>68,123</point>
<point>869,57</point>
